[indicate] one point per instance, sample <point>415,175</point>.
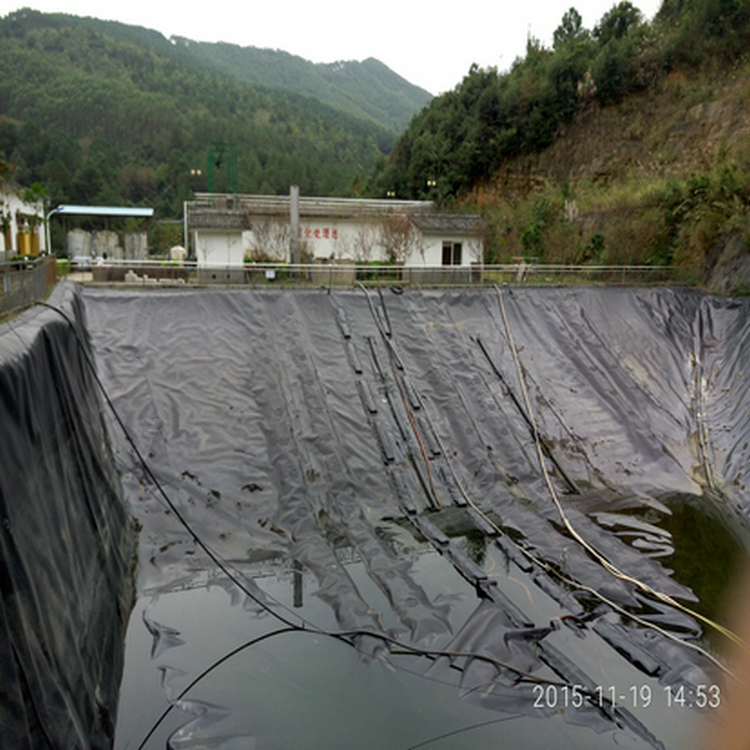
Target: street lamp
<point>196,181</point>
<point>431,186</point>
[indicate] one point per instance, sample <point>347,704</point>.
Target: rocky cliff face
<point>729,275</point>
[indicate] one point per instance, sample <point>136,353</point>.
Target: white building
<point>451,239</point>
<point>22,228</point>
<point>223,230</point>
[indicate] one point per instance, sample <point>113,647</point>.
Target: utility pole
<point>296,256</point>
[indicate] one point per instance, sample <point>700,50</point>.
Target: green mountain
<point>365,89</point>
<point>103,112</point>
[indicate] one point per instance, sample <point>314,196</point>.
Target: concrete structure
<point>223,230</point>
<point>22,230</point>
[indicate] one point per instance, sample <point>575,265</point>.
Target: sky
<point>430,47</point>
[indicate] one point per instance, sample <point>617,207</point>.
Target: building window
<point>452,253</point>
<point>456,253</point>
<point>447,253</point>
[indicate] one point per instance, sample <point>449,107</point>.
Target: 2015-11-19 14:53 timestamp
<point>633,696</point>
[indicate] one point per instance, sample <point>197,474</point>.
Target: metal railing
<point>24,282</point>
<point>164,273</point>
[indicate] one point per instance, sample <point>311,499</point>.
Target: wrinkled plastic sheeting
<point>651,384</point>
<point>289,424</point>
<point>65,538</point>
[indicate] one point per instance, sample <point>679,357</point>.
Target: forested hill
<point>367,89</point>
<point>464,136</point>
<point>102,112</point>
<point>628,142</point>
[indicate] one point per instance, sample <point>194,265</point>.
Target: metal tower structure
<point>222,156</point>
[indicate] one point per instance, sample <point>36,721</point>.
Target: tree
<point>616,22</point>
<point>363,242</point>
<point>272,239</point>
<point>570,29</point>
<point>532,235</point>
<point>613,71</point>
<point>399,238</point>
<point>7,172</point>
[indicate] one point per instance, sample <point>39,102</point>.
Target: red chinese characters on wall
<point>325,233</point>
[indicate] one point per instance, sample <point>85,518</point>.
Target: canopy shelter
<point>104,211</point>
<point>126,211</point>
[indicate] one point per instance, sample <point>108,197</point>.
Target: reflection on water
<point>305,690</point>
<point>707,553</point>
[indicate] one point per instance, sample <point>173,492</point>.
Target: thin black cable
<point>349,637</point>
<point>213,556</point>
<point>338,636</point>
<point>208,671</point>
<point>344,637</point>
<point>454,732</point>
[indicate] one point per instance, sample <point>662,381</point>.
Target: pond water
<point>303,689</point>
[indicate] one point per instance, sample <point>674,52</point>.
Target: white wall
<point>359,240</point>
<point>219,248</point>
<point>321,238</point>
<point>471,250</point>
<point>340,239</point>
<point>327,238</point>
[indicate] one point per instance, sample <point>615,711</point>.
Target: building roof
<point>436,223</point>
<point>279,205</point>
<point>104,211</point>
<point>222,212</point>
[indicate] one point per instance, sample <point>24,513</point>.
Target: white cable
<point>613,569</point>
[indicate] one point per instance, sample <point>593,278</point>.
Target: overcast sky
<point>429,46</point>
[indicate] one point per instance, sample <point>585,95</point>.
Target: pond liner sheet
<point>375,473</point>
<point>66,540</point>
<point>343,438</point>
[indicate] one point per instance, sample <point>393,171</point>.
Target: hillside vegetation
<point>627,143</point>
<point>367,89</point>
<point>103,113</point>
